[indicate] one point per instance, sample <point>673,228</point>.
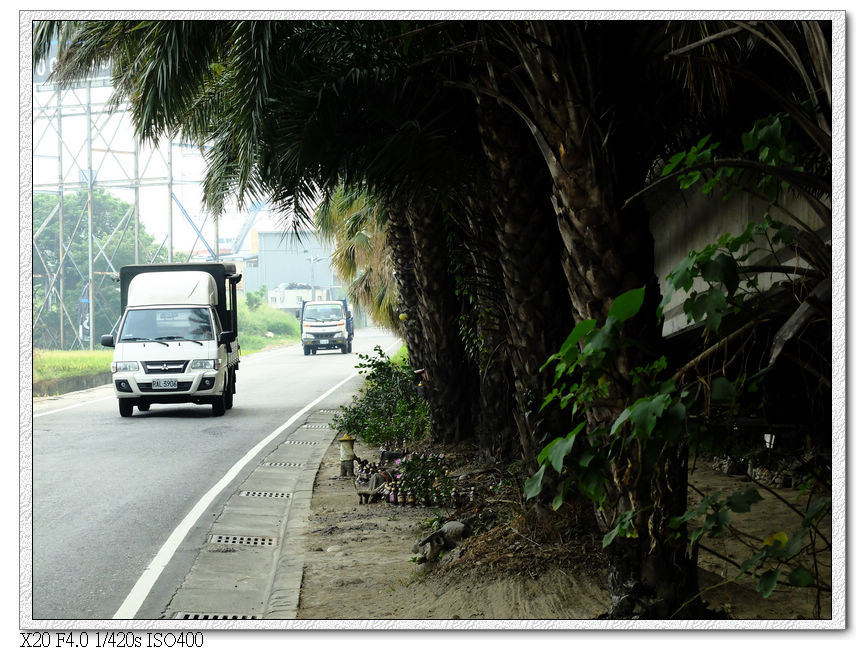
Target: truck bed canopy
<point>221,272</point>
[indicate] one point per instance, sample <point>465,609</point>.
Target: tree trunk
<point>402,252</point>
<point>535,291</point>
<point>449,382</point>
<point>484,327</point>
<point>608,252</point>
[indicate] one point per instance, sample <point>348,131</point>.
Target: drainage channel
<point>193,616</point>
<point>266,495</point>
<point>212,591</point>
<point>245,540</point>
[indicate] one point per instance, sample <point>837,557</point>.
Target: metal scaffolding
<point>83,146</point>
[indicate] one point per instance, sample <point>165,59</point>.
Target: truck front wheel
<point>219,403</point>
<point>229,395</point>
<point>126,406</point>
<point>306,350</point>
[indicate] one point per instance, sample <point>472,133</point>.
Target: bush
<point>389,408</point>
<point>264,319</point>
<point>425,476</point>
<point>57,364</point>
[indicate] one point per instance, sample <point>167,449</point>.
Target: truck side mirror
<point>225,337</point>
<point>107,340</point>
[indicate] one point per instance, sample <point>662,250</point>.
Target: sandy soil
<point>359,565</point>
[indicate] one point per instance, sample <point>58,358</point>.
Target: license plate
<point>324,341</point>
<point>165,384</point>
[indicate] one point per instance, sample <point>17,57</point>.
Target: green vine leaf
<point>801,577</point>
<point>723,390</point>
<point>742,500</point>
<point>627,305</point>
<point>768,581</point>
<point>532,487</point>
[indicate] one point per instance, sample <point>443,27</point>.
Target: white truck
<point>177,339</point>
<point>326,325</point>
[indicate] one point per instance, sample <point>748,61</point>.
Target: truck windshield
<point>322,312</point>
<point>167,324</point>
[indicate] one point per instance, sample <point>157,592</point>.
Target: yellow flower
<point>779,537</point>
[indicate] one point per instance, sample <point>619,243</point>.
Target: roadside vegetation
<point>490,187</point>
<point>264,326</point>
<point>61,364</point>
<point>389,411</point>
<point>260,327</point>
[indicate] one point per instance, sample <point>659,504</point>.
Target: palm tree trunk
<point>608,252</point>
<point>402,250</point>
<point>449,383</point>
<point>485,330</point>
<point>534,287</point>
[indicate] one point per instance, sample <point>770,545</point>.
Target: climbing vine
<point>731,287</point>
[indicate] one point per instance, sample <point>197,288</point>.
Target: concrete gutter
<point>251,566</point>
<point>48,387</point>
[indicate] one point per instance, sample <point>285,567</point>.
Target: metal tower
<point>83,148</point>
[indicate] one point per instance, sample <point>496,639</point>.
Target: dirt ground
<point>359,564</point>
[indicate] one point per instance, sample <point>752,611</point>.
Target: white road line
<point>74,406</point>
<point>151,574</point>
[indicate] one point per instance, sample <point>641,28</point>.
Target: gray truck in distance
<point>326,325</point>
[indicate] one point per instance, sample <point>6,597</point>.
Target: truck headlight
<point>124,366</point>
<point>307,337</point>
<point>204,364</point>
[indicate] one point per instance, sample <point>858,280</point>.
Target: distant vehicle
<point>326,325</point>
<point>177,340</point>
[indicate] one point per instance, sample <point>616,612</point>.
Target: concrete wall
<point>686,221</point>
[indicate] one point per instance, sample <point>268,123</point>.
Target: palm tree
<point>356,226</point>
<point>511,141</point>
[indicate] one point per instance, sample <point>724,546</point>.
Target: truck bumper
<point>199,387</point>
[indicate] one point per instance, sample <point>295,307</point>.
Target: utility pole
<point>137,206</point>
<point>90,311</point>
<point>60,256</point>
<point>170,206</point>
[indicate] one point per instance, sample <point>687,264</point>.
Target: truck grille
<point>148,388</point>
<point>165,367</point>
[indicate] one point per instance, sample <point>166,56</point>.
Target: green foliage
<point>768,140</point>
<point>255,299</point>
<point>389,409</point>
<point>255,324</point>
<point>57,364</point>
<point>112,233</point>
<point>425,476</point>
<point>658,414</point>
<point>582,365</point>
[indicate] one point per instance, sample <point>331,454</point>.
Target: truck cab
<point>326,325</point>
<point>177,338</point>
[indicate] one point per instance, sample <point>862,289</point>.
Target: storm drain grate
<point>301,442</point>
<point>192,616</point>
<point>329,411</point>
<point>283,464</point>
<point>242,539</point>
<point>269,495</point>
<point>316,426</point>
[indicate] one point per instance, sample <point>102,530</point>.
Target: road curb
<point>243,582</point>
<point>284,595</point>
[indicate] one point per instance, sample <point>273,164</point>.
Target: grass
<point>401,355</point>
<point>59,364</point>
<point>254,325</point>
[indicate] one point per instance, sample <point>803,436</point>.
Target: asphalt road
<point>107,491</point>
